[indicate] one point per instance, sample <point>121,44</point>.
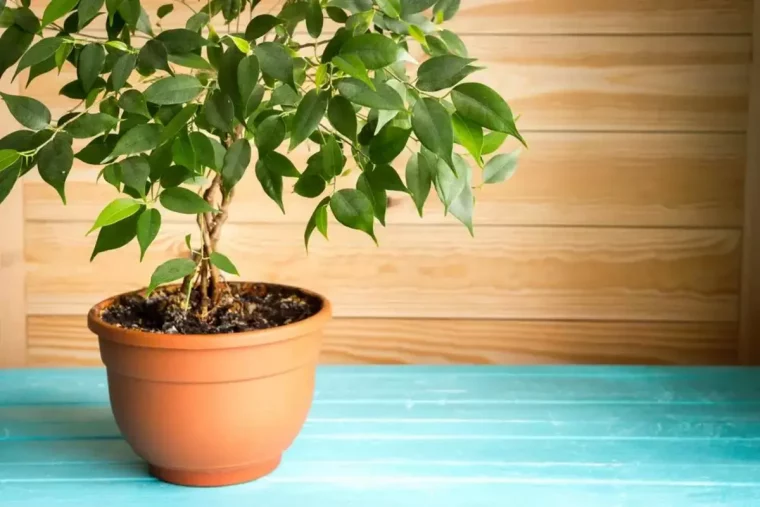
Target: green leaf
<point>387,178</point>
<point>98,150</point>
<point>54,161</point>
<point>170,271</point>
<point>183,152</point>
<point>8,158</point>
<point>390,7</point>
<point>137,140</point>
<point>115,211</point>
<point>418,35</point>
<point>90,125</point>
<point>219,111</point>
<point>336,43</point>
<point>418,180</point>
<point>275,62</point>
<point>352,5</point>
<point>377,196</point>
<point>223,262</point>
<point>164,10</point>
<point>336,14</point>
<point>441,72</point>
<point>178,122</point>
<point>445,9</point>
<point>29,112</point>
<point>228,73</point>
<point>90,64</point>
<point>182,200</point>
<point>483,106</point>
<point>384,97</point>
<point>318,220</point>
<point>8,179</point>
<point>342,116</point>
<point>432,125</point>
<point>38,53</point>
<point>56,9</point>
<point>360,22</point>
<point>132,101</point>
<point>247,77</point>
<point>374,50</point>
<point>310,184</point>
<point>135,172</point>
<point>174,90</point>
<point>241,44</point>
<point>283,95</point>
<point>388,144</point>
<point>122,69</point>
<point>468,135</point>
<point>153,55</point>
<point>448,184</point>
<point>117,44</point>
<point>175,175</point>
<point>462,205</point>
<point>26,19</point>
<point>112,174</point>
<point>14,42</point>
<point>501,167</point>
<point>197,21</point>
<point>181,40</point>
<point>332,158</point>
<point>278,163</point>
<point>314,20</point>
<point>414,6</point>
<point>354,67</point>
<point>115,236</point>
<point>492,141</point>
<point>62,54</point>
<point>270,181</point>
<point>236,161</point>
<point>260,25</point>
<point>205,152</point>
<point>354,210</point>
<point>148,225</point>
<point>310,112</point>
<point>190,60</point>
<point>453,43</point>
<point>270,134</point>
<point>87,10</point>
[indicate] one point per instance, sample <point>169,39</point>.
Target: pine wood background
<point>619,240</point>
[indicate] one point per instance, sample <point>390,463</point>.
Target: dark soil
<point>244,307</point>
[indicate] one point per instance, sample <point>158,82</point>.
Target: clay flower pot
<point>211,410</point>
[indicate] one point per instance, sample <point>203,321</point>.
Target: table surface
<point>410,436</point>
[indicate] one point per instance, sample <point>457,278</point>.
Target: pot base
<point>223,477</point>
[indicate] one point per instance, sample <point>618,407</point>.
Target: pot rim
<point>150,339</point>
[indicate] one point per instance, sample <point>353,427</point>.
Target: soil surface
<point>244,307</point>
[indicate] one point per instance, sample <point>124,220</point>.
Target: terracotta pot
<point>210,410</point>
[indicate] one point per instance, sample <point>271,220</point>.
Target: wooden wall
<point>618,241</point>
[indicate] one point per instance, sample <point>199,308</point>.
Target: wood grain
<point>621,83</point>
<point>591,179</point>
<point>438,272</point>
<point>64,340</point>
<point>750,298</point>
<point>12,269</point>
<point>560,16</point>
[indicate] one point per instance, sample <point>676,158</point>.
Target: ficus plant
<point>175,117</point>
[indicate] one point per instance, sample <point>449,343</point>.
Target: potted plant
<point>210,381</point>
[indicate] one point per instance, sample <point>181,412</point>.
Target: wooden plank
<point>557,16</point>
<point>12,269</point>
<point>391,488</point>
<point>592,83</point>
<point>64,340</point>
<point>439,272</point>
<point>750,298</point>
<point>592,179</point>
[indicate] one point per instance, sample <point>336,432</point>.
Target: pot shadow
<point>70,440</point>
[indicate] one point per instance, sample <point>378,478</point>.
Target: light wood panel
<point>671,180</point>
<point>567,83</point>
<point>65,339</point>
<point>505,272</point>
<point>750,302</point>
<point>12,270</point>
<point>561,16</point>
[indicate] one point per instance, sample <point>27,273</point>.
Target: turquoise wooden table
<point>412,436</point>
